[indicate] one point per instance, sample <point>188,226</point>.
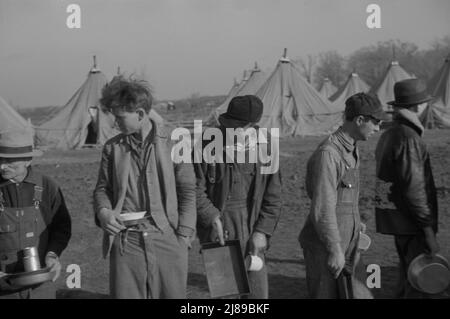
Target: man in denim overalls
<point>330,235</point>
<point>32,214</point>
<point>235,200</point>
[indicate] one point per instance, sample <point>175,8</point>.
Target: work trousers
<point>149,264</point>
<point>235,220</point>
<point>321,283</point>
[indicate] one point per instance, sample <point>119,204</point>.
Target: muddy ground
<point>76,172</point>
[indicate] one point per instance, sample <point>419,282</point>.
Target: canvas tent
<point>385,87</point>
<point>10,120</point>
<point>353,85</point>
<point>82,120</point>
<point>437,112</point>
<point>293,105</point>
<point>234,88</point>
<point>327,89</point>
<point>249,85</point>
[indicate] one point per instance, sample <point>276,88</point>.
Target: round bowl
<point>429,274</point>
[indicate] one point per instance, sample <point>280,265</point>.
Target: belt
<point>132,226</point>
<point>135,222</point>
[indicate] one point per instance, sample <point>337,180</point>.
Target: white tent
<point>353,85</point>
<point>248,86</point>
<point>437,112</point>
<point>10,120</point>
<point>385,87</point>
<point>293,105</point>
<point>82,120</point>
<point>327,89</point>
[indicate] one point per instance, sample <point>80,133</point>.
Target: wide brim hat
<point>409,93</point>
<point>18,144</point>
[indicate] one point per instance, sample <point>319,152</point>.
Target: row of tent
<point>81,121</point>
<point>297,108</point>
<point>290,104</point>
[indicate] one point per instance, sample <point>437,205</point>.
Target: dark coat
<point>404,178</point>
<point>213,182</point>
<point>53,207</point>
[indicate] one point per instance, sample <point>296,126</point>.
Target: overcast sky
<point>187,46</point>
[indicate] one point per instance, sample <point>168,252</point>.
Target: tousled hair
<point>126,95</point>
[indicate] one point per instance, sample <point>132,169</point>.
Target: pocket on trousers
<point>9,237</point>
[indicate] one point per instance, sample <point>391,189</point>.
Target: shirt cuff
<point>185,231</point>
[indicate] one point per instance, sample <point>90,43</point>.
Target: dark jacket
<point>53,207</point>
<point>405,181</point>
<point>213,182</point>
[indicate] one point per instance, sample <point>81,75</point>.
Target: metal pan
<point>225,269</point>
<point>429,274</point>
<point>28,279</point>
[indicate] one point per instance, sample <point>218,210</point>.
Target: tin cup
<point>253,263</point>
<point>30,259</point>
<point>364,241</point>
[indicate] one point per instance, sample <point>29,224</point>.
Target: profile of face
<point>366,126</point>
<point>418,108</point>
<point>14,168</point>
<point>129,122</point>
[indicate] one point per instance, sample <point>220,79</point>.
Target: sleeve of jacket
<point>270,206</point>
<point>323,183</point>
<point>185,186</point>
<point>103,190</point>
<point>206,211</point>
<point>411,174</point>
<point>60,227</point>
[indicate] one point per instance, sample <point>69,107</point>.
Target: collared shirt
<point>325,169</point>
<point>137,197</point>
<point>143,160</point>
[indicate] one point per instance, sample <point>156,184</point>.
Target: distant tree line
<point>370,62</point>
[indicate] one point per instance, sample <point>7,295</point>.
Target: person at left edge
<point>148,257</point>
<point>32,214</point>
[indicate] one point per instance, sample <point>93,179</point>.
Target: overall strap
<point>37,197</point>
<point>2,201</point>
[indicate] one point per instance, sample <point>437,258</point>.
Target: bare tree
<point>371,62</point>
<point>307,66</point>
<point>331,65</point>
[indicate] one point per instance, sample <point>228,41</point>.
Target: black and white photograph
<point>224,153</point>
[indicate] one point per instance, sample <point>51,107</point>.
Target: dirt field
<point>76,172</point>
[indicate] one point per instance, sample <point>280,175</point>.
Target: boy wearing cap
<point>330,235</point>
<point>149,255</point>
<point>406,202</point>
<point>32,214</point>
<point>234,199</point>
